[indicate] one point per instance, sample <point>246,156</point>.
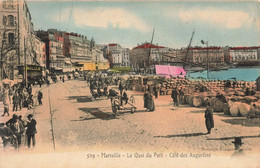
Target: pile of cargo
<point>197,93</point>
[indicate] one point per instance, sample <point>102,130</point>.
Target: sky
<point>130,23</point>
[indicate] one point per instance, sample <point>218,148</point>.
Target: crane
<point>187,53</point>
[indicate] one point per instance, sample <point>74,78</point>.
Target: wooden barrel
<point>212,101</point>
<point>240,93</point>
<point>234,110</point>
<point>244,109</point>
<point>186,98</point>
<point>226,109</point>
<point>191,100</point>
<point>197,101</point>
<point>219,105</point>
<point>204,99</point>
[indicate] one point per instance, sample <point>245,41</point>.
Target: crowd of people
<point>19,96</point>
<point>18,131</point>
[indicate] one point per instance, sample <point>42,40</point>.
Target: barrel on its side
<point>234,110</point>
<point>226,109</point>
<point>244,109</point>
<point>219,106</point>
<point>197,101</point>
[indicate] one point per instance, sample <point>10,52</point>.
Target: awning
<point>67,62</point>
<point>58,68</point>
<point>170,71</point>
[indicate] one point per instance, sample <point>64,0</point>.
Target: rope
<point>70,15</point>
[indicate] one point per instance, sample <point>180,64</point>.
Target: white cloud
<point>103,17</point>
<point>219,17</point>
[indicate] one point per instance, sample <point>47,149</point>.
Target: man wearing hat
<point>17,128</point>
<point>11,121</point>
<point>209,121</point>
<point>31,130</point>
<point>238,143</point>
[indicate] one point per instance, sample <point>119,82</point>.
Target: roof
<point>112,45</point>
<point>205,48</point>
<point>148,45</point>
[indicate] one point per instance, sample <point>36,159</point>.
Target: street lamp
<point>206,42</point>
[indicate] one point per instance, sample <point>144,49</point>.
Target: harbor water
<point>245,74</point>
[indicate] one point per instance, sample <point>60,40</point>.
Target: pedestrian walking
<point>31,130</point>
<point>15,101</point>
<point>6,102</point>
<point>20,100</point>
<point>181,96</point>
<point>40,96</point>
<point>174,96</point>
<point>209,121</point>
<point>155,91</point>
<point>121,88</point>
<point>145,99</point>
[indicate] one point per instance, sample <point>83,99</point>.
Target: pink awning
<point>170,71</point>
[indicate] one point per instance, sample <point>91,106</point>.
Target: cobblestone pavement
<point>84,125</point>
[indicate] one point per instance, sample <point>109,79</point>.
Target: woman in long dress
<point>150,102</point>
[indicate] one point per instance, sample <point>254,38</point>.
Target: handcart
<point>118,105</point>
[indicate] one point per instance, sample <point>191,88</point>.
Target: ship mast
<point>188,48</point>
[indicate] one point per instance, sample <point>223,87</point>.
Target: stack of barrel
<point>240,105</point>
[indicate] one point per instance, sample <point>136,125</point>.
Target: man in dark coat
<point>174,96</point>
<point>15,101</point>
<point>209,118</point>
<point>124,98</point>
<point>145,99</point>
<point>121,88</point>
<point>40,95</point>
<point>31,130</point>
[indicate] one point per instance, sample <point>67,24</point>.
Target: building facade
<point>40,51</point>
<point>54,49</point>
<point>215,55</point>
<point>145,55</point>
<point>77,48</point>
<point>56,57</point>
<point>16,37</point>
<point>126,57</point>
<point>117,55</point>
<point>238,54</point>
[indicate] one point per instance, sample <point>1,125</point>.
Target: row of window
<point>9,20</point>
<point>8,4</point>
<point>244,58</point>
<point>11,38</point>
